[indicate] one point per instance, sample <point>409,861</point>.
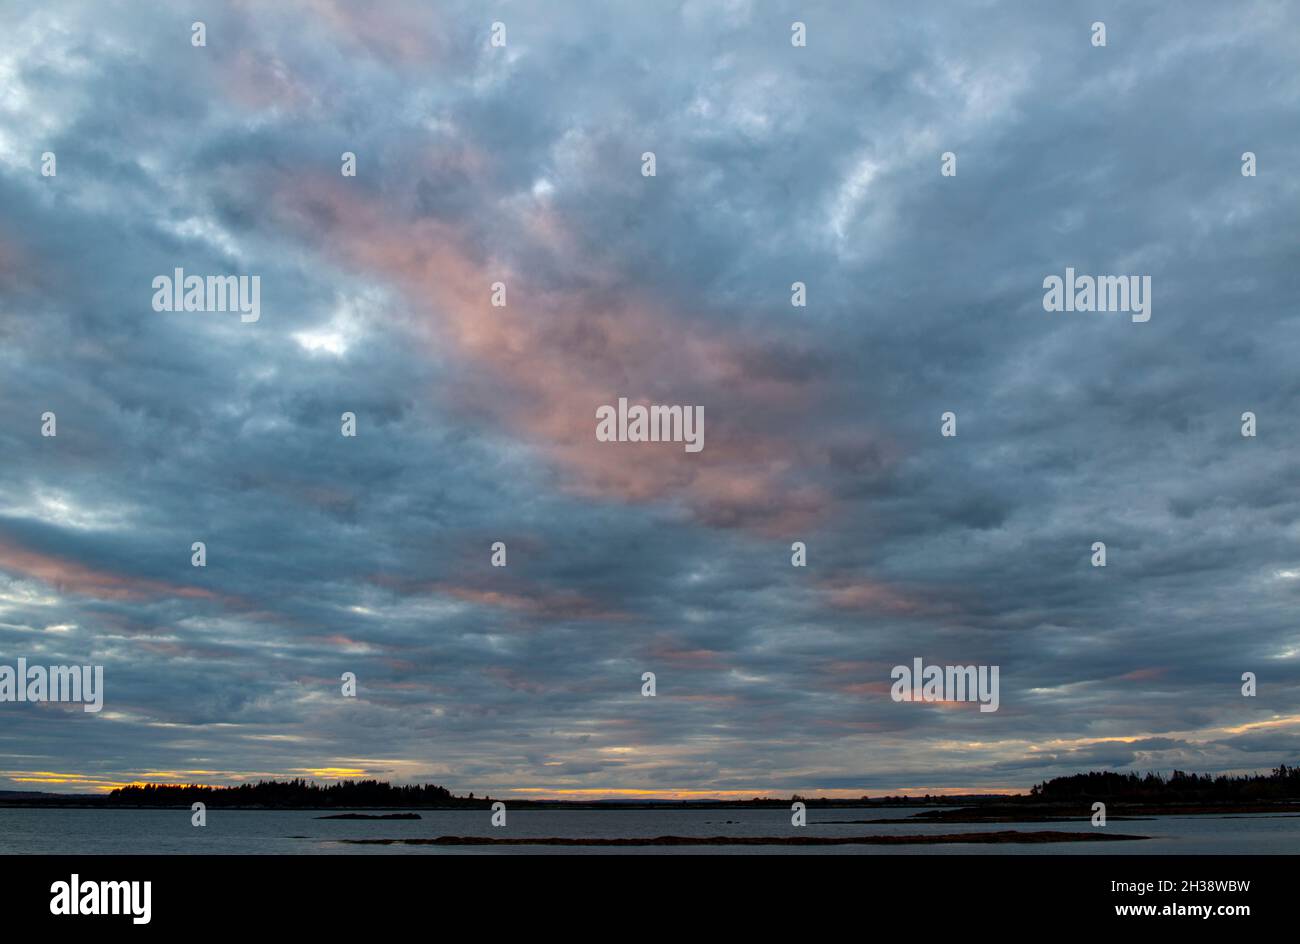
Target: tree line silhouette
<point>1283,782</point>
<point>292,793</point>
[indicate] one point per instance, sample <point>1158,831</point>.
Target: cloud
<point>476,424</point>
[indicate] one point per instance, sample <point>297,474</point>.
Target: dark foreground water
<point>26,831</point>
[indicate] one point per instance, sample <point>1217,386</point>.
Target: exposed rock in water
<point>372,816</point>
<point>1005,836</point>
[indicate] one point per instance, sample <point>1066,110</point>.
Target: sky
<point>523,164</point>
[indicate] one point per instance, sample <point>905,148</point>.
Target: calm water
<point>299,832</point>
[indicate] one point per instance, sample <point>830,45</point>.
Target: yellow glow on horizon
<point>402,771</point>
<point>51,778</point>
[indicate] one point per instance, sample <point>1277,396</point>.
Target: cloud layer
<point>522,165</point>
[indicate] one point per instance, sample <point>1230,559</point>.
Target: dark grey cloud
<point>775,164</point>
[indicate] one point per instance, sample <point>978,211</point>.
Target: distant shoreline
<point>480,805</point>
<point>931,812</point>
<point>1060,799</point>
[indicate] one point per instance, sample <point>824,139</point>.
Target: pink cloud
<point>868,595</point>
<point>541,366</point>
<point>666,651</point>
<point>68,576</point>
<point>1144,675</point>
<point>546,604</point>
<point>407,33</point>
